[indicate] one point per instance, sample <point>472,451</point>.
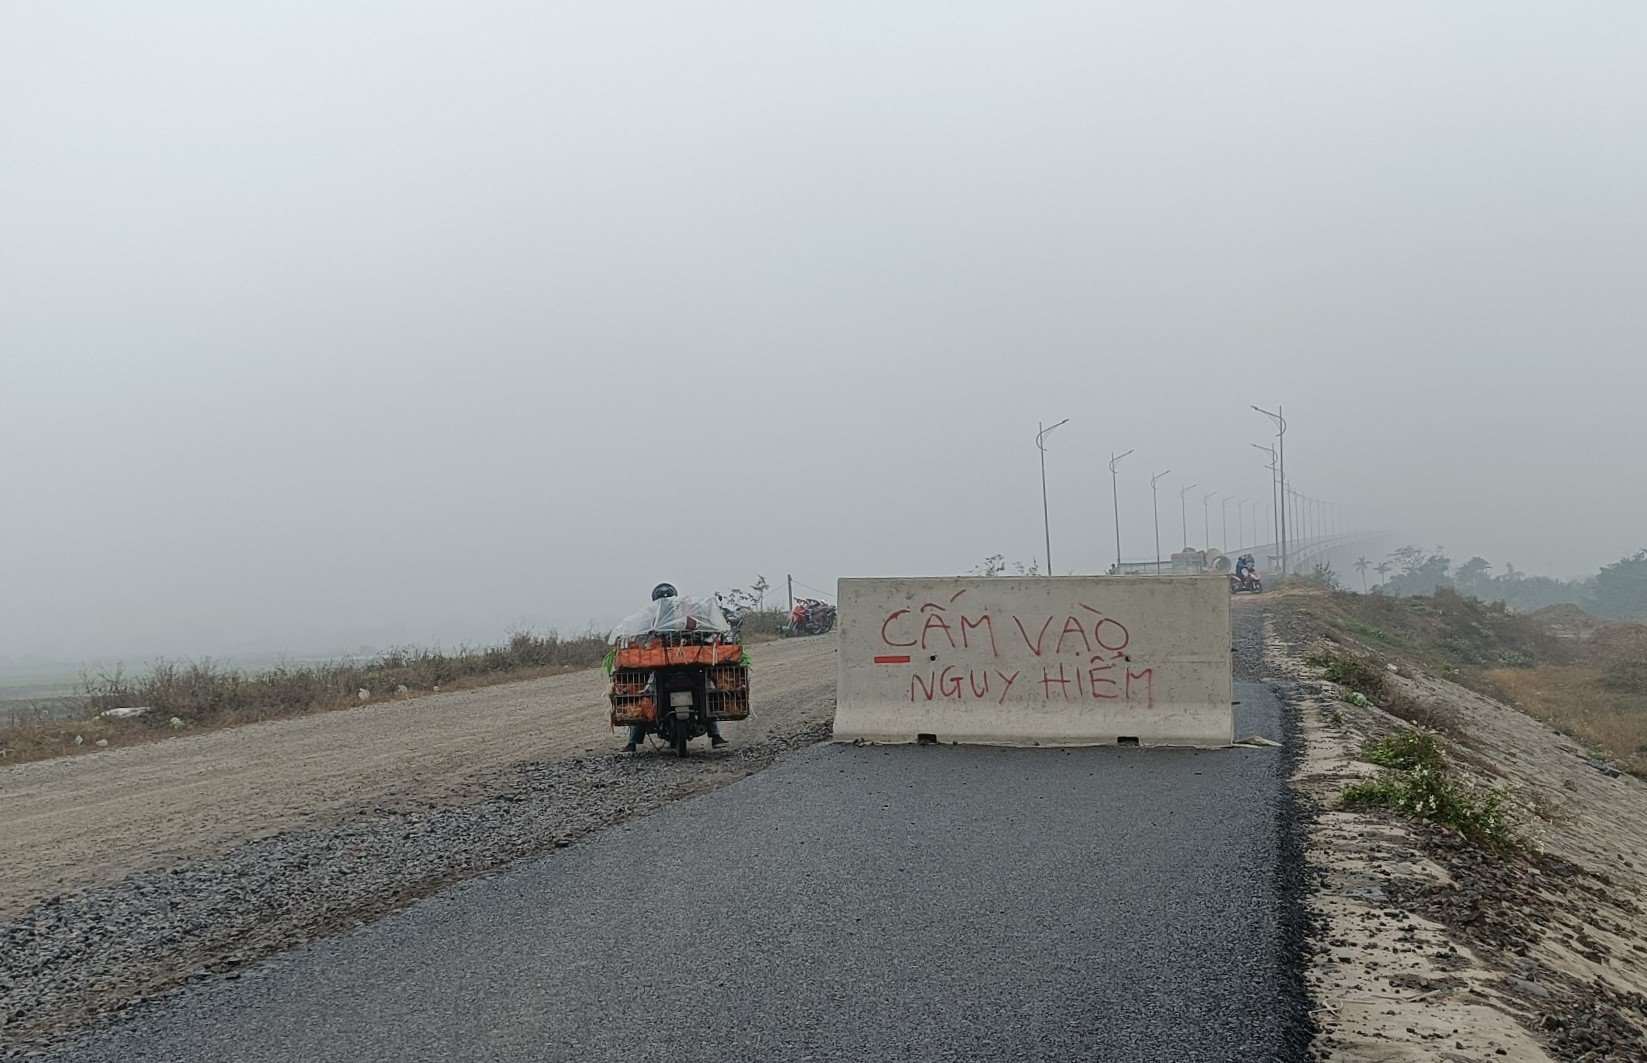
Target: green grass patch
<point>1375,634</point>
<point>1352,673</point>
<point>1405,750</point>
<point>1419,783</point>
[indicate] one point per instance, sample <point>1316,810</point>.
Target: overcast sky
<point>343,323</point>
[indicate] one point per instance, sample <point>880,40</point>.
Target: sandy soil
<point>1433,950</point>
<point>81,821</point>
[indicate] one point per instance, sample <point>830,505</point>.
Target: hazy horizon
<point>363,325</point>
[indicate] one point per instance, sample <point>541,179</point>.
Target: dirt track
<point>88,820</point>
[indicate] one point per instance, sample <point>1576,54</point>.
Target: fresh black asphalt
<point>850,903</point>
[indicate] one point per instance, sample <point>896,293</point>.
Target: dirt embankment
<point>1431,948</point>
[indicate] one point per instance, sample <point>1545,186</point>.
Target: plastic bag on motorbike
<point>672,615</point>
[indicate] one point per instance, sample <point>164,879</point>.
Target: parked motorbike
<point>811,617</point>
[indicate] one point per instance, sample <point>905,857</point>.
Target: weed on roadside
<point>1404,750</point>
<point>1352,673</point>
<point>1419,783</point>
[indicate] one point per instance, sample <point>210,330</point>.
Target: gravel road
<point>918,903</point>
<point>82,821</point>
<point>217,867</point>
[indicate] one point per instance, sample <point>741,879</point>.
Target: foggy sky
<point>334,324</point>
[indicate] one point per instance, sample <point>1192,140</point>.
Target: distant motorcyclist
<point>667,594</point>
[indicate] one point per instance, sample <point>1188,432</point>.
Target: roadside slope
<point>1432,947</point>
<point>90,820</point>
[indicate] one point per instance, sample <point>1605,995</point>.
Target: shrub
<point>206,692</point>
<point>1353,673</point>
<point>1434,795</point>
<point>1627,675</point>
<point>1419,783</point>
<point>1405,750</point>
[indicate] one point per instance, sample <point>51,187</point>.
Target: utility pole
<point>1183,519</point>
<point>1115,498</point>
<point>1156,505</point>
<point>1224,515</point>
<point>791,580</point>
<point>1206,524</point>
<point>1046,521</point>
<point>1281,467</point>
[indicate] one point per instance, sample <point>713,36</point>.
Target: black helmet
<point>664,590</point>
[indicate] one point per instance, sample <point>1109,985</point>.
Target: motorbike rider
<point>1244,568</point>
<point>666,593</point>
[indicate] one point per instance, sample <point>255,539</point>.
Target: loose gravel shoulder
<point>88,820</point>
<point>213,898</point>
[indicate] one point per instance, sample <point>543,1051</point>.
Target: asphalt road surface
<point>891,903</point>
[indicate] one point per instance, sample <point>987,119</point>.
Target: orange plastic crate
<point>656,655</point>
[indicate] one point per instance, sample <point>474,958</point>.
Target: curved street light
<point>1041,433</point>
<point>1115,498</point>
<point>1156,505</point>
<point>1275,490</point>
<point>1183,518</point>
<point>1281,471</point>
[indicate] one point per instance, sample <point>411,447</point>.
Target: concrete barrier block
<point>1035,660</point>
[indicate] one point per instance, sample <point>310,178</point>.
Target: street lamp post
<point>1275,494</point>
<point>1115,499</point>
<point>1241,518</point>
<point>1206,523</point>
<point>1281,470</point>
<point>1183,518</point>
<point>1156,505</point>
<point>1224,515</point>
<point>1041,434</point>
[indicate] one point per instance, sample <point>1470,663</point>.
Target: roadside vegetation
<point>182,697</point>
<point>1353,673</point>
<point>1583,675</point>
<point>187,696</point>
<point>1420,783</point>
<point>1617,591</point>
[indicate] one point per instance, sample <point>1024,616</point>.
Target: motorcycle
<point>1247,583</point>
<point>674,684</point>
<point>811,617</point>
